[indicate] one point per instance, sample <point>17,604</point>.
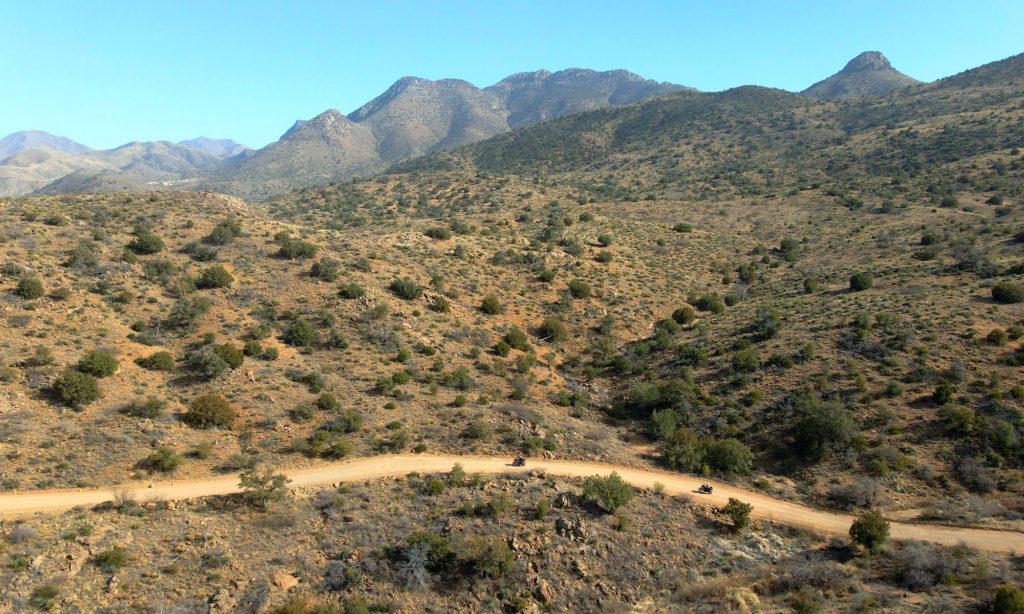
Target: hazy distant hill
<point>416,116</point>
<point>220,147</point>
<point>868,73</point>
<point>37,139</point>
<point>140,162</point>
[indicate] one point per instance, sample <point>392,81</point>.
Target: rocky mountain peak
<point>869,60</point>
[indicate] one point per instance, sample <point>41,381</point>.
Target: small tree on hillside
<point>739,513</point>
<point>870,530</point>
<point>612,491</point>
<point>261,488</point>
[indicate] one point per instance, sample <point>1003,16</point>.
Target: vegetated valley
<point>820,300</point>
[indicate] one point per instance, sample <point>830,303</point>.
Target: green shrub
<point>98,363</point>
<point>739,513</point>
<point>150,407</point>
<point>439,233</point>
<point>299,333</point>
<point>870,530</point>
<point>551,330</point>
<point>491,556</point>
<point>861,281</point>
<point>76,389</point>
<point>109,561</point>
<point>516,338</point>
<point>294,249</point>
<point>29,287</point>
<point>490,305</point>
<point>351,290</point>
<point>165,460</point>
<point>325,269</point>
<point>1007,292</point>
<point>440,555</point>
<point>710,302</point>
<point>146,243</point>
<point>612,491</point>
<point>209,410</point>
<point>406,288</point>
<point>746,361</point>
<point>215,277</point>
<point>684,315</point>
<point>579,289</point>
<point>730,456</point>
<point>1009,599</point>
<point>604,240</point>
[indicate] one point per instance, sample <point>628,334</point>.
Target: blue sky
<point>108,72</point>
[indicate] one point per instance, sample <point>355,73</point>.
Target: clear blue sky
<point>108,72</point>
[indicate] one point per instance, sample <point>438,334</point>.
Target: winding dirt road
<point>765,507</point>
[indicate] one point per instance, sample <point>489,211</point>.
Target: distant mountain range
<point>413,117</point>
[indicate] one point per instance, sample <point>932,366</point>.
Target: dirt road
<point>765,507</point>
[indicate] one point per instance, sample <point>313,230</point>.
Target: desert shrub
<point>441,304</point>
<point>684,315</point>
<point>861,281</point>
<point>159,361</point>
<point>214,277</point>
<point>295,249</point>
<point>150,407</point>
<point>1009,599</point>
<point>870,530</point>
<point>259,489</point>
<point>730,456</point>
<point>325,269</point>
<point>146,243</point>
<point>44,597</point>
<point>98,363</point>
<point>746,361</point>
<point>922,566</point>
<point>490,305</point>
<point>551,329</point>
<point>973,474</point>
<point>76,389</point>
<point>490,556</point>
<point>438,555</point>
<point>439,233</point>
<point>109,561</point>
<point>327,402</point>
<point>579,288</point>
<point>546,275</point>
<point>29,287</point>
<point>683,227</point>
<point>351,290</point>
<point>206,362</point>
<point>710,302</point>
<point>406,288</point>
<point>604,240</point>
<point>739,513</point>
<point>165,460</point>
<point>1007,292</point>
<point>299,333</point>
<point>184,312</point>
<point>943,392</point>
<point>997,336</point>
<point>516,338</point>
<point>822,428</point>
<point>209,410</point>
<point>230,354</point>
<point>612,491</point>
